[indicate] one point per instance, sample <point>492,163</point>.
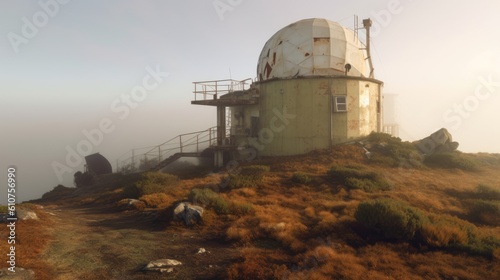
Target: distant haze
<point>69,69</point>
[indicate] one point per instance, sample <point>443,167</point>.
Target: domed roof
<point>312,47</point>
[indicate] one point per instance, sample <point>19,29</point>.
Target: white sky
<point>80,59</point>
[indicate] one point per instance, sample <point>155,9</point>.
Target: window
<point>340,104</point>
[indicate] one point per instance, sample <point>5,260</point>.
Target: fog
<point>68,69</point>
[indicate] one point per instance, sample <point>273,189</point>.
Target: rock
<point>190,214</point>
<point>162,265</point>
<point>3,217</point>
<point>201,251</point>
<point>279,226</point>
<point>440,141</point>
<point>20,274</point>
<point>26,215</point>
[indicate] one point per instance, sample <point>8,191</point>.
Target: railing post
<point>159,154</point>
<point>180,142</point>
<point>210,137</point>
<point>197,143</point>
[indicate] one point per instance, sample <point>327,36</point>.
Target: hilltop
<point>340,213</point>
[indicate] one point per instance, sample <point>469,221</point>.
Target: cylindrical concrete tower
<point>314,91</point>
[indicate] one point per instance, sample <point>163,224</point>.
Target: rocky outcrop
<point>26,215</point>
<point>440,141</point>
<point>162,265</point>
<point>187,212</point>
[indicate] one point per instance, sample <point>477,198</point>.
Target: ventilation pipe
<point>367,24</point>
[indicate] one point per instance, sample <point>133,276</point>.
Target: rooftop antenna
<point>367,24</point>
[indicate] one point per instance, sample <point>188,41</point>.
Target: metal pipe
<point>367,23</point>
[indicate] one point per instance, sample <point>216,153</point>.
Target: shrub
<point>487,192</point>
<point>249,176</point>
<point>444,231</point>
<point>391,218</point>
<point>156,182</point>
<point>203,196</point>
<point>391,151</point>
<point>452,160</point>
<point>241,208</point>
<point>219,204</point>
<point>354,177</point>
<point>4,209</point>
<point>156,200</point>
<point>485,246</point>
<point>301,178</point>
<point>366,185</point>
<point>486,212</point>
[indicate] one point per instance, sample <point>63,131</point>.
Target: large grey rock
<point>162,265</point>
<point>26,215</point>
<point>438,142</point>
<point>3,217</point>
<point>189,213</point>
<point>20,274</point>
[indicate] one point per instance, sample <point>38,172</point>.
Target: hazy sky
<point>68,67</point>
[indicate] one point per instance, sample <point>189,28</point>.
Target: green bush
<point>301,178</point>
<point>484,246</point>
<point>210,199</point>
<point>4,209</point>
<point>203,196</point>
<point>366,185</point>
<point>443,231</point>
<point>354,177</point>
<point>156,182</point>
<point>393,219</point>
<point>452,233</point>
<point>486,212</point>
<point>220,205</point>
<point>241,208</point>
<point>452,160</point>
<point>487,192</point>
<point>391,151</point>
<point>249,176</point>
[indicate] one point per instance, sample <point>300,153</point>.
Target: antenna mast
<point>367,23</point>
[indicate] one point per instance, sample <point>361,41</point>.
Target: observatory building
<point>314,88</point>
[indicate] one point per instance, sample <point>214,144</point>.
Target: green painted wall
<point>296,115</point>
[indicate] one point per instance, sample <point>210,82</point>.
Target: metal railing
<point>391,129</point>
<point>143,159</point>
<point>205,90</point>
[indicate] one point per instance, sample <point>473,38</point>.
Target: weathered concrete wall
<point>296,115</point>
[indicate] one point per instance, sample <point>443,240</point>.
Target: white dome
<point>311,47</point>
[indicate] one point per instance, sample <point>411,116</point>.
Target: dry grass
<point>314,223</point>
<point>305,228</point>
<point>32,238</point>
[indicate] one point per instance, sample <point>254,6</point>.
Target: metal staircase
<point>157,157</point>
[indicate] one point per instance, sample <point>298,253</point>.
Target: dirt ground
<point>101,243</point>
